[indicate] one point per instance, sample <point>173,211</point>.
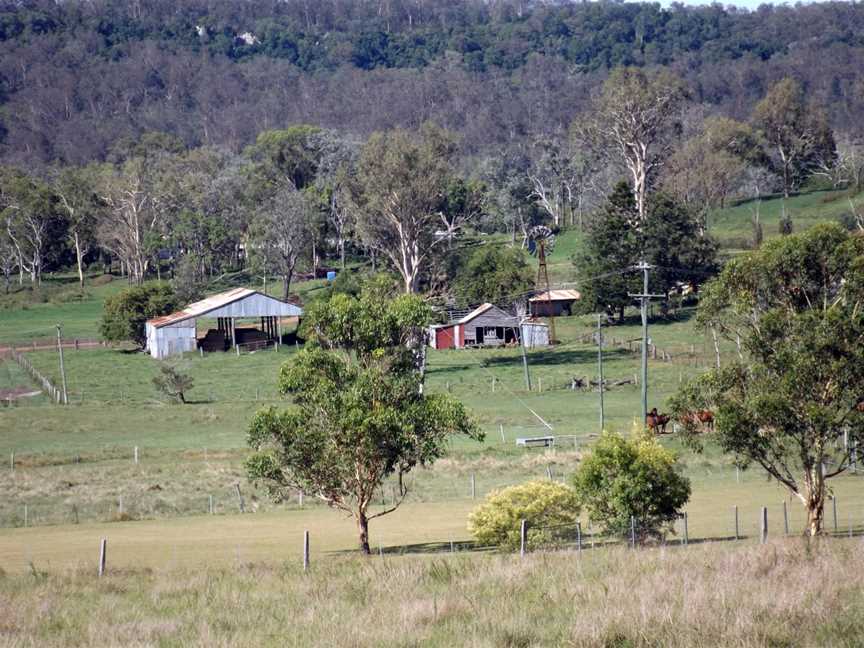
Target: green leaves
<point>636,477</point>
<point>358,415</point>
<point>124,314</point>
<point>544,505</point>
<point>796,307</point>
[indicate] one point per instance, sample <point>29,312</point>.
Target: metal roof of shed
<point>221,300</point>
<point>557,295</point>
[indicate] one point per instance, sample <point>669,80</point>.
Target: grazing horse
<point>702,418</point>
<point>656,422</point>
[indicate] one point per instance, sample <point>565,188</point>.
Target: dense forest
<point>78,76</point>
<point>193,141</point>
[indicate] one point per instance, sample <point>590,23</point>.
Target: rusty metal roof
<point>209,304</point>
<point>557,295</point>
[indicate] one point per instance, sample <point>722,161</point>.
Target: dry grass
<point>780,594</point>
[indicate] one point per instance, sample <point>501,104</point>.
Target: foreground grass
<point>780,594</point>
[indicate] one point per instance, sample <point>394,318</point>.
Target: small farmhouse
<point>485,326</point>
<point>553,302</point>
<point>178,332</point>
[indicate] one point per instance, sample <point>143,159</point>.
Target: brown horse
<point>702,418</point>
<point>656,422</point>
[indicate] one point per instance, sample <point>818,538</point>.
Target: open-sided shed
<point>554,302</point>
<point>177,333</point>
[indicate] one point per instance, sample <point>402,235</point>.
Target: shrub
<point>636,477</point>
<point>124,314</point>
<point>172,382</point>
<point>548,508</point>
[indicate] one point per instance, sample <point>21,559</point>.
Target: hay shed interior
<point>178,332</point>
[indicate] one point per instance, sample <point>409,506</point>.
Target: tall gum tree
<point>633,122</point>
<point>402,184</point>
<point>792,400</point>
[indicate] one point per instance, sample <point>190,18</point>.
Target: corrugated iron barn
<point>485,326</point>
<point>178,332</point>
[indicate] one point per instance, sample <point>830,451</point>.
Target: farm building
<point>559,302</point>
<point>485,326</point>
<point>178,332</point>
<point>535,333</point>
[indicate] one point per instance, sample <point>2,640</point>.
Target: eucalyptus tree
<point>34,226</point>
<point>796,133</point>
<point>358,414</point>
<point>280,234</point>
<point>76,188</point>
<point>633,122</point>
<point>791,401</point>
<point>402,185</point>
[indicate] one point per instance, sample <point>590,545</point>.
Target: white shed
<point>177,333</point>
<point>534,334</point>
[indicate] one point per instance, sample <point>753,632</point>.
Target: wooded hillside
<point>76,77</point>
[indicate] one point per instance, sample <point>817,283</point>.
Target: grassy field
<point>73,466</point>
<point>781,594</point>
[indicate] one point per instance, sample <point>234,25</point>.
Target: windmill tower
<point>541,242</point>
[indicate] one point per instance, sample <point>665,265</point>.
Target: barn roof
<point>221,300</point>
<point>483,309</point>
<point>557,295</point>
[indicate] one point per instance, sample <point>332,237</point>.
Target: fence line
<point>46,385</point>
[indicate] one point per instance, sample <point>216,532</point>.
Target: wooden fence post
<point>763,526</point>
<point>210,502</point>
<point>834,506</point>
<point>686,537</point>
<point>523,528</point>
<point>579,536</point>
<point>103,555</point>
<point>240,502</point>
<point>136,455</point>
<point>305,551</point>
<point>785,519</point>
<point>632,532</point>
<point>473,487</point>
<point>737,536</point>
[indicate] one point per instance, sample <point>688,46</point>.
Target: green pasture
<point>74,464</point>
<point>732,225</point>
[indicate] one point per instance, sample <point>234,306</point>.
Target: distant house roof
<point>477,311</point>
<point>274,307</point>
<point>485,308</point>
<point>557,295</point>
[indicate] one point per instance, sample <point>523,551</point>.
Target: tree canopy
<point>358,414</point>
<point>791,401</point>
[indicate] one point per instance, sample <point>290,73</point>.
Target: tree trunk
<point>363,527</point>
<point>79,257</point>
<point>286,289</point>
<point>814,500</point>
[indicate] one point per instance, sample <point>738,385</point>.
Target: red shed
<point>442,336</point>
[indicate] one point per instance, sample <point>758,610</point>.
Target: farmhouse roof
<point>480,310</point>
<point>557,295</point>
<point>220,300</point>
<point>475,313</point>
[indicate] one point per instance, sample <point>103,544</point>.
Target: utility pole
<point>524,358</point>
<point>600,368</point>
<point>62,368</point>
<point>644,298</point>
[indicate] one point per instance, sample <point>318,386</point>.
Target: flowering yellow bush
<point>548,507</point>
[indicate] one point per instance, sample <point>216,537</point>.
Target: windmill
<point>541,241</point>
